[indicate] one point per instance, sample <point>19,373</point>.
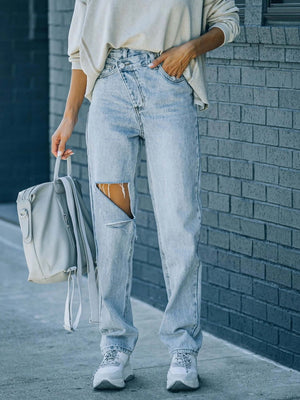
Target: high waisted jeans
<point>133,103</point>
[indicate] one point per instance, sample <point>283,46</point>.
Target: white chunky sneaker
<point>114,370</point>
<point>183,373</point>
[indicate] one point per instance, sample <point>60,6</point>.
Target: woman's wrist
<point>70,116</point>
<point>206,42</point>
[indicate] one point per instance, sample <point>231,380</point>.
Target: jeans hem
<point>111,347</point>
<point>195,352</point>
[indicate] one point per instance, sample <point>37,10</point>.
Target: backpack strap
<point>92,280</point>
<point>81,238</point>
<point>68,324</point>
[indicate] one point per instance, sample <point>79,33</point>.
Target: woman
<point>142,66</point>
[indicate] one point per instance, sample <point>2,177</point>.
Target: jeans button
<point>122,65</point>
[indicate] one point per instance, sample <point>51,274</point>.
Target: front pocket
<point>170,78</point>
<point>107,70</point>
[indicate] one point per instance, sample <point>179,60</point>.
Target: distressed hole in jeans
<point>119,194</point>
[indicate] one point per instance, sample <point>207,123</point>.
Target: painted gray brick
<point>289,178</point>
<point>218,238</point>
<point>266,173</point>
<point>229,222</point>
<point>264,34</point>
<point>254,115</point>
<point>230,148</point>
<point>296,160</point>
<point>218,128</point>
<point>218,165</point>
<point>296,199</point>
<point>208,145</point>
<point>288,256</point>
<point>240,244</point>
<point>292,35</point>
<point>279,234</point>
<point>289,341</point>
<point>280,157</point>
<point>218,201</point>
<point>230,299</point>
<point>252,267</point>
<point>265,250</point>
<point>210,293</point>
<point>296,79</point>
<point>271,53</point>
<point>279,195</point>
<point>254,307</point>
<point>279,78</point>
<point>265,291</point>
<point>292,55</point>
<point>265,135</point>
<point>265,96</point>
<point>279,117</point>
<point>241,169</point>
<point>241,283</point>
<point>265,331</point>
<point>253,190</point>
<point>289,138</point>
<point>241,206</point>
<point>218,91</point>
<point>253,76</point>
<point>210,218</point>
<point>279,275</point>
<point>246,52</point>
<point>254,229</point>
<point>279,317</point>
<point>289,299</point>
<point>209,182</point>
<point>289,217</point>
<point>230,111</point>
<point>278,35</point>
<point>241,94</point>
<point>296,238</point>
<point>241,131</point>
<point>241,323</point>
<point>229,261</point>
<point>218,276</point>
<point>229,185</point>
<point>296,280</point>
<point>289,98</point>
<point>266,212</point>
<point>229,74</point>
<point>218,315</point>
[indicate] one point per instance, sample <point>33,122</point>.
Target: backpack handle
<point>57,165</point>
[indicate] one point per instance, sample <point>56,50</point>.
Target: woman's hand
<point>60,138</point>
<point>175,59</point>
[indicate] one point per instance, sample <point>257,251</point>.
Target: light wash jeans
<point>133,103</point>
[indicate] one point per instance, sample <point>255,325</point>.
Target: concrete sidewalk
<point>40,360</point>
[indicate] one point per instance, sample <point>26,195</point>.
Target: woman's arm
<point>208,41</point>
<point>70,116</point>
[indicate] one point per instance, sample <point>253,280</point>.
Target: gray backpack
<point>58,238</point>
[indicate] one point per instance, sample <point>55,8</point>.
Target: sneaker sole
<point>114,383</point>
<point>179,385</point>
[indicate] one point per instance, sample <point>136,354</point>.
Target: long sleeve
<point>75,31</point>
<point>222,14</point>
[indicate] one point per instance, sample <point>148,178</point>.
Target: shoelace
<point>110,357</point>
<point>184,360</point>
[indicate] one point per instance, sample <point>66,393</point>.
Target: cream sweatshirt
<point>154,25</point>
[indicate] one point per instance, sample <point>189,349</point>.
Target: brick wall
<point>24,89</point>
<point>250,241</point>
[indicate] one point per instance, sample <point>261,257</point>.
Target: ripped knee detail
<point>118,193</point>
